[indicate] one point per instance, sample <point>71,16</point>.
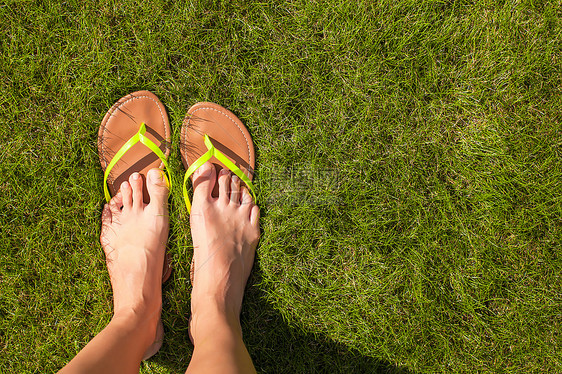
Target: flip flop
<point>134,136</point>
<point>213,133</point>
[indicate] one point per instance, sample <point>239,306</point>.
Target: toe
<point>127,194</point>
<point>235,190</point>
<point>224,185</point>
<point>135,181</point>
<point>115,204</point>
<point>246,198</point>
<point>157,187</point>
<point>106,221</point>
<point>203,182</point>
<point>105,216</point>
<point>255,216</point>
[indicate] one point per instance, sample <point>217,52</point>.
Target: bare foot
<point>225,232</point>
<point>133,237</point>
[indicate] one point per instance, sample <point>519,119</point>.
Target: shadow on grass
<point>274,346</point>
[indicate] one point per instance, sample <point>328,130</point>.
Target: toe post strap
<point>212,151</point>
<point>138,137</point>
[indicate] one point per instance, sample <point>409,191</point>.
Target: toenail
<point>204,172</point>
<point>136,176</point>
<point>155,175</point>
<point>235,178</point>
<point>224,172</point>
<point>124,185</point>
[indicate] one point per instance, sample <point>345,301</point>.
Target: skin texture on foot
<point>225,232</point>
<point>133,237</point>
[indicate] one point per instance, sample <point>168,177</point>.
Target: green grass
<point>409,176</point>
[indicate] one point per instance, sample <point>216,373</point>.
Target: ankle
<point>144,319</point>
<point>142,328</point>
<point>139,299</point>
<point>211,317</point>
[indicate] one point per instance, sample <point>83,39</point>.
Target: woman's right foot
<point>225,232</point>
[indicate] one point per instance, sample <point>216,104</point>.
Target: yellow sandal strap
<point>138,137</point>
<point>212,151</point>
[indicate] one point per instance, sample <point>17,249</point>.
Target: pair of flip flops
<point>135,136</point>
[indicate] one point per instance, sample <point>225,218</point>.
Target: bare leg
<point>133,237</point>
<point>225,233</point>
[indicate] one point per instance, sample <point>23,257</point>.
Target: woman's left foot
<point>133,237</point>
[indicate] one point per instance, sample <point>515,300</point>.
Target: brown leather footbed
<point>119,124</point>
<point>227,133</point>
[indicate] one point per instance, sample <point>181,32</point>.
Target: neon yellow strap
<point>138,137</point>
<point>212,151</point>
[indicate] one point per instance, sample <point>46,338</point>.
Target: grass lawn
<point>408,166</point>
